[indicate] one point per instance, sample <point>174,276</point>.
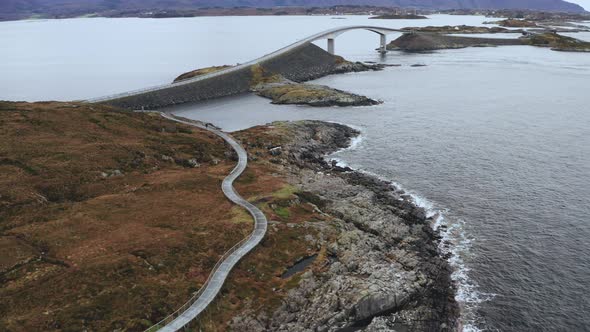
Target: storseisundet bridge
<point>178,93</point>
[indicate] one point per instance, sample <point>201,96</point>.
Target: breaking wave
<point>454,241</point>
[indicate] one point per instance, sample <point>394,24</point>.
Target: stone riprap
<point>229,84</point>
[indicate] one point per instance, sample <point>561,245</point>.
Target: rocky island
<point>424,42</point>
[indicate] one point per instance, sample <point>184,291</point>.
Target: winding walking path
<point>212,286</point>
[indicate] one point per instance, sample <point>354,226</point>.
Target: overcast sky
<point>583,3</point>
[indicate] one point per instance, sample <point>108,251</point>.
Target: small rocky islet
<point>424,42</point>
<point>311,94</point>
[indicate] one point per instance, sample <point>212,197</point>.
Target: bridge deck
<point>331,33</point>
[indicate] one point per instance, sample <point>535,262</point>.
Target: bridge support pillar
<point>383,44</point>
<point>331,46</point>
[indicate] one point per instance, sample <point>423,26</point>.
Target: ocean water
<point>496,141</point>
<point>88,57</point>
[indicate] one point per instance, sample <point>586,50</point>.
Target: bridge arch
<point>331,35</point>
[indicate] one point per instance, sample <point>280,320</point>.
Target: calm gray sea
<point>495,139</point>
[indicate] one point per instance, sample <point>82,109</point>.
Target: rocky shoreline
<point>382,270</point>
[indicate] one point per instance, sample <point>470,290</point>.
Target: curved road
<point>331,33</point>
<point>213,285</point>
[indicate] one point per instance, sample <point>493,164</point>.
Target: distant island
<point>399,17</point>
<point>513,23</point>
<point>26,9</point>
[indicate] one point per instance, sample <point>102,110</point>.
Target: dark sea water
<point>497,140</point>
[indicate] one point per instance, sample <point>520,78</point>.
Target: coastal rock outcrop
<point>312,95</point>
<point>382,270</point>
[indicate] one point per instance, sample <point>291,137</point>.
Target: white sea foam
<point>454,240</point>
<point>354,142</point>
<point>339,162</point>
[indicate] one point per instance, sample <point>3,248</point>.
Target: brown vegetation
<point>104,224</point>
<point>263,76</point>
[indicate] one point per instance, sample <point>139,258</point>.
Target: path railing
<point>210,289</point>
<point>168,319</point>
